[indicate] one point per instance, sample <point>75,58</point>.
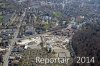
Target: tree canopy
<point>86,42</point>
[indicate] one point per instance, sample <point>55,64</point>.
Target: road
<point>6,56</point>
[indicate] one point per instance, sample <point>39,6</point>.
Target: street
<point>6,56</point>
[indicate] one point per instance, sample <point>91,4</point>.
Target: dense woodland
<point>86,43</point>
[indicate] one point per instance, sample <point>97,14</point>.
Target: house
<point>29,30</point>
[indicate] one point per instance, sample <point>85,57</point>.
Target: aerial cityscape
<point>49,32</point>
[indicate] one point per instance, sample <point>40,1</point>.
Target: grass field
<point>1,18</point>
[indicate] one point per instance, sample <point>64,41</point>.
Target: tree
<point>86,42</point>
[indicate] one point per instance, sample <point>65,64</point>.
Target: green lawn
<point>57,14</point>
<point>1,18</point>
